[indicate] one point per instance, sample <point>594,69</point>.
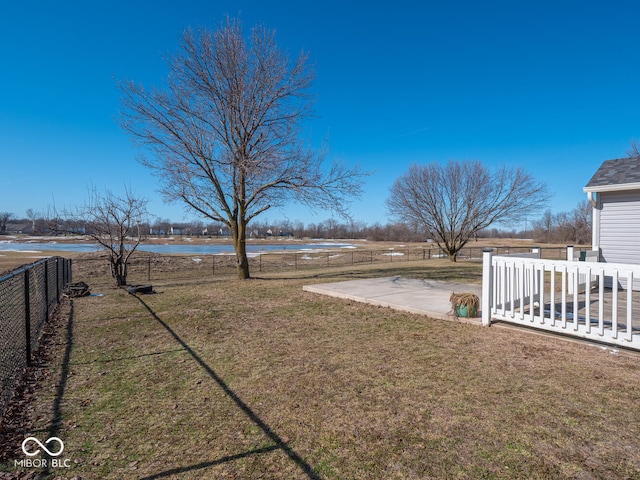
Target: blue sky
<point>552,86</point>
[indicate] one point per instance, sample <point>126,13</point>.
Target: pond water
<point>36,247</point>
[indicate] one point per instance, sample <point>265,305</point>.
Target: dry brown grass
<point>258,379</point>
<point>12,260</point>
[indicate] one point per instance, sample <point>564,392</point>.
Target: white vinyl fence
<point>568,297</point>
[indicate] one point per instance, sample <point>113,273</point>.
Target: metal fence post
<point>487,283</point>
<point>27,316</point>
<point>46,287</point>
<point>57,280</point>
<point>62,268</point>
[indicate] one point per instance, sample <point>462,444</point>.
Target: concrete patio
<point>421,296</point>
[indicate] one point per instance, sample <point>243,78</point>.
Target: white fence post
<point>569,253</point>
<point>487,285</point>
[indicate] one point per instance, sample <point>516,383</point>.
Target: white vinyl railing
<point>555,295</point>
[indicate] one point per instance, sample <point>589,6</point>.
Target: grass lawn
<point>258,379</point>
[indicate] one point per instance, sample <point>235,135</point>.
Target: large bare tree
<point>224,135</point>
<point>453,202</point>
<point>116,223</point>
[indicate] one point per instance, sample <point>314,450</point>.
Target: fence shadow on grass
<point>279,443</point>
<point>56,413</point>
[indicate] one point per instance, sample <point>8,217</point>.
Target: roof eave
<point>612,188</point>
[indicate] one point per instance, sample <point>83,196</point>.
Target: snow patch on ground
<point>21,251</point>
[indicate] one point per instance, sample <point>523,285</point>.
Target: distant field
<point>11,260</point>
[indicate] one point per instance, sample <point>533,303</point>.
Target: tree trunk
<point>119,272</point>
<point>121,280</point>
<point>240,247</point>
<point>453,256</point>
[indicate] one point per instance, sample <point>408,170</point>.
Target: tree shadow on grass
<point>279,443</point>
<point>219,461</point>
<point>133,357</point>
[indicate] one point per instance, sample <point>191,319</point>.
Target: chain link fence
<point>144,267</point>
<point>28,295</point>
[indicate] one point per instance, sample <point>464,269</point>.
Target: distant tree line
<point>564,227</point>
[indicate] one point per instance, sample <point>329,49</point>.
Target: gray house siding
<point>620,227</point>
<point>619,230</point>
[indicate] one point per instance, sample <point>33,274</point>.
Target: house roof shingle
<point>620,171</point>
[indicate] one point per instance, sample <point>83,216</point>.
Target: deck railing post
<point>570,290</point>
<point>487,282</point>
<point>538,279</point>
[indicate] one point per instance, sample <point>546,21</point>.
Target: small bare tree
<point>33,216</point>
<point>634,150</point>
<point>545,227</point>
<point>115,222</point>
<point>455,201</point>
<point>224,136</point>
<point>4,219</point>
